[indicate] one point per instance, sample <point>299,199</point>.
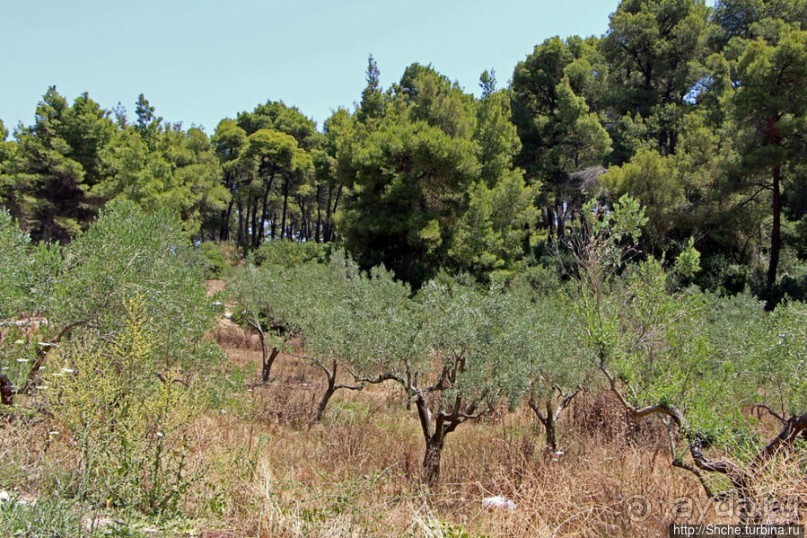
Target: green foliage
<point>123,368</point>
<point>287,254</point>
<point>655,50</point>
<point>172,171</point>
<point>492,232</point>
<point>277,116</point>
<point>129,253</point>
<point>83,289</point>
<point>470,332</point>
<point>58,161</point>
<point>650,178</point>
<point>495,133</point>
<point>408,192</point>
<point>688,263</point>
<point>551,90</point>
<point>216,262</point>
<point>547,346</point>
<point>47,518</point>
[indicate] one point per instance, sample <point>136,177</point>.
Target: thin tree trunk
<point>331,389</point>
<point>326,397</point>
<point>552,415</point>
<point>264,210</point>
<point>318,223</point>
<point>255,237</point>
<point>331,211</point>
<point>267,356</point>
<point>551,435</point>
<point>285,207</point>
<point>548,422</point>
<point>776,232</point>
<point>550,221</point>
<point>268,361</point>
<point>247,231</point>
<point>326,232</point>
<point>241,230</point>
<point>224,231</point>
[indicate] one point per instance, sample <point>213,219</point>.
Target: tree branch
<point>537,410</point>
<point>794,427</point>
<point>762,407</point>
<point>42,353</point>
<point>697,472</point>
<point>564,403</point>
<point>348,387</point>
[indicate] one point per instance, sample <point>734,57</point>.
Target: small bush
<point>289,253</point>
<point>129,418</point>
<point>216,262</point>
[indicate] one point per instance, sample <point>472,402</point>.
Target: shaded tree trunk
<point>254,224</point>
<point>6,390</point>
<point>330,210</point>
<point>247,231</point>
<point>264,211</point>
<point>224,230</point>
<point>435,437</point>
<point>549,426</point>
<point>776,231</point>
<point>285,208</point>
<point>241,232</point>
<point>268,361</point>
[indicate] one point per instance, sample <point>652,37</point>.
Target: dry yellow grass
<point>266,471</point>
<point>356,473</point>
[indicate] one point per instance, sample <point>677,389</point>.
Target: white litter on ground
<point>499,501</point>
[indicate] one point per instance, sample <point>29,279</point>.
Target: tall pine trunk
<point>776,232</point>
<point>285,208</point>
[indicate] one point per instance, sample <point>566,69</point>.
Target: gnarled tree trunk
<point>431,459</point>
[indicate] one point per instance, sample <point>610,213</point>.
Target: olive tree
<point>545,338</point>
<point>83,288</point>
<point>679,355</point>
<point>262,289</point>
<point>117,357</point>
<point>247,290</point>
<point>323,304</point>
<point>448,348</point>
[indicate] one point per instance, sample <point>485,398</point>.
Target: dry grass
<point>268,472</point>
<point>356,474</point>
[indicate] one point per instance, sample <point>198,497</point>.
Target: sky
<point>198,61</point>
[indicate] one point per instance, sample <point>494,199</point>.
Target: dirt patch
<point>215,286</point>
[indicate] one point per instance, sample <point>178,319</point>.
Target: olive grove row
<point>700,363</point>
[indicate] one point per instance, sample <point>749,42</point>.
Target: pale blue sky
<point>198,61</point>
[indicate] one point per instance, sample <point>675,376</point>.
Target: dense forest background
<point>697,112</point>
<point>551,296</point>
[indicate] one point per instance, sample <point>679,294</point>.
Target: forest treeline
<point>699,113</point>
